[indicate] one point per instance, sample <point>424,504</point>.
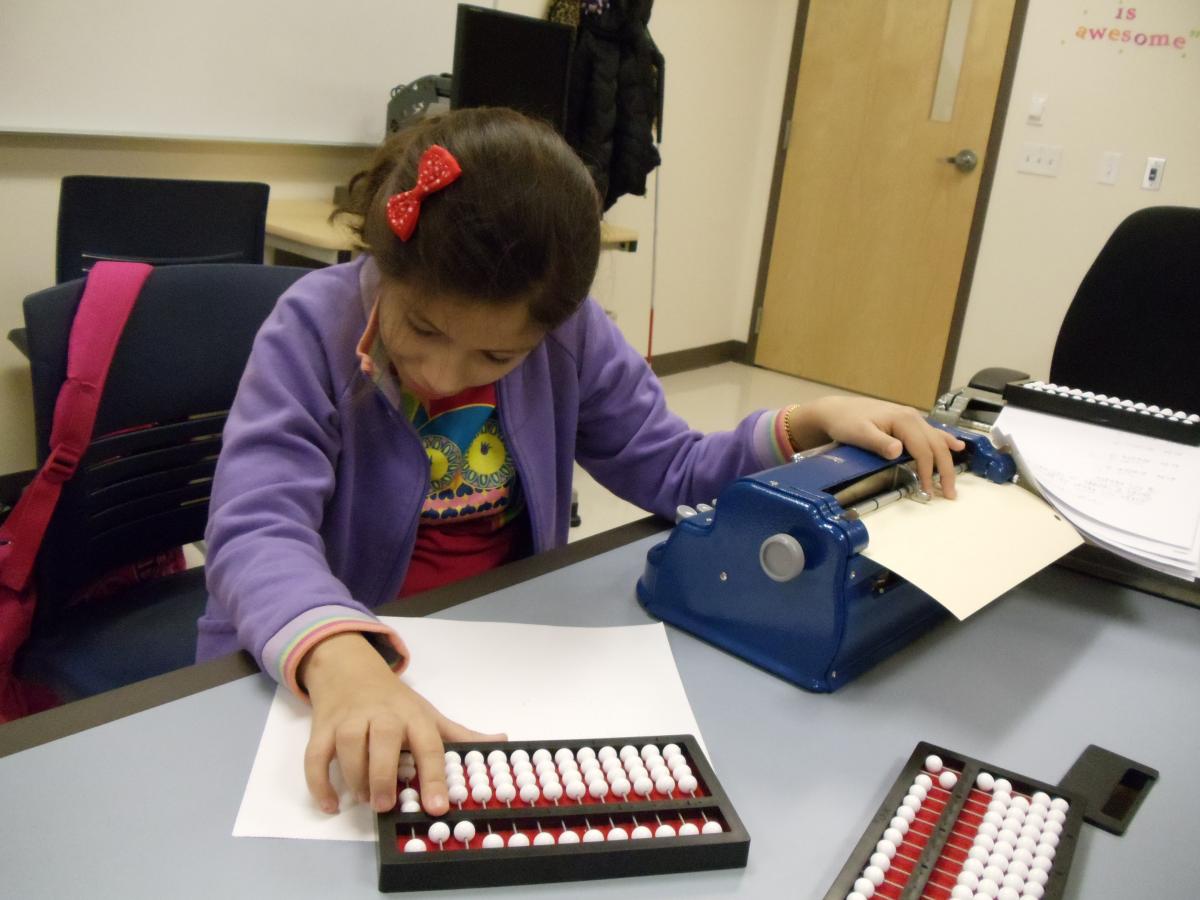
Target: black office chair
<point>161,221</point>
<point>143,485</point>
<point>1133,329</point>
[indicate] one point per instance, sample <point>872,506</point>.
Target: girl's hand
<point>364,715</point>
<point>881,427</point>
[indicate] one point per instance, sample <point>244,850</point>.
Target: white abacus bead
<point>598,789</point>
<point>520,768</point>
<point>968,880</point>
<point>575,790</point>
<point>1025,843</point>
<point>947,780</point>
<point>552,792</point>
<point>658,772</point>
<point>590,765</point>
<point>610,765</point>
<point>506,793</point>
<point>880,861</point>
<point>455,778</point>
<point>457,793</point>
<point>518,756</point>
<point>1007,835</point>
<point>414,845</point>
<point>712,827</point>
<point>1060,803</point>
<point>1007,892</point>
<point>974,866</point>
<point>924,781</point>
<point>874,874</point>
<point>988,888</point>
<point>606,752</point>
<point>542,766</point>
<point>562,754</point>
<point>1005,849</point>
<point>1050,839</point>
<point>664,830</point>
<point>1018,869</point>
<point>570,777</point>
<point>679,768</point>
<point>1044,851</point>
<point>933,763</point>
<point>477,768</point>
<point>492,841</point>
<point>593,836</point>
<point>906,814</point>
<point>641,833</point>
<point>1033,891</point>
<point>665,785</point>
<point>410,806</point>
<point>453,758</point>
<point>1040,862</point>
<point>993,818</point>
<point>993,873</point>
<point>865,887</point>
<point>1002,796</point>
<point>979,853</point>
<point>477,779</point>
<point>409,794</point>
<point>543,838</point>
<point>855,895</point>
<point>985,782</point>
<point>540,755</point>
<point>481,793</point>
<point>648,751</point>
<point>1013,880</point>
<point>517,839</point>
<point>913,803</point>
<point>1003,784</point>
<point>987,843</point>
<point>643,786</point>
<point>525,778</point>
<point>1021,803</point>
<point>915,790</point>
<point>1052,827</point>
<point>529,793</point>
<point>628,751</point>
<point>961,892</point>
<point>473,756</point>
<point>497,756</point>
<point>1056,815</point>
<point>887,847</point>
<point>504,775</point>
<point>1013,824</point>
<point>568,837</point>
<point>688,829</point>
<point>1038,875</point>
<point>439,832</point>
<point>893,835</point>
<point>900,824</point>
<point>1023,856</point>
<point>671,750</point>
<point>464,831</point>
<point>621,787</point>
<point>584,753</point>
<point>617,833</point>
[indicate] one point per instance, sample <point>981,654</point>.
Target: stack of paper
<point>1134,495</point>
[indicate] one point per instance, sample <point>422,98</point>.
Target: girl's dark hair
<point>521,222</point>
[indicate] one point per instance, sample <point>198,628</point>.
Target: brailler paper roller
<point>774,571</point>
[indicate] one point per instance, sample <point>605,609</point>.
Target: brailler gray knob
<point>781,557</point>
<point>683,512</point>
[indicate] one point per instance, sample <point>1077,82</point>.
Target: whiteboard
<point>303,71</point>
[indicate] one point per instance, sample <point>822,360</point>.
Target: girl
<point>412,417</point>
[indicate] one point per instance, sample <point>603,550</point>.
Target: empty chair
<point>143,485</point>
<point>1133,328</point>
<point>161,221</point>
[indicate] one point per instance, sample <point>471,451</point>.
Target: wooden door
<point>871,220</point>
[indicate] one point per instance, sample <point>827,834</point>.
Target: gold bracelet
<point>787,427</point>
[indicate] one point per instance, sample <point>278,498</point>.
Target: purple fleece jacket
<point>321,478</point>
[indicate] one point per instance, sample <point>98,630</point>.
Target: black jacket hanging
<point>615,96</point>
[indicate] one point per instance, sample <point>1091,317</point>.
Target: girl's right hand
<point>364,715</point>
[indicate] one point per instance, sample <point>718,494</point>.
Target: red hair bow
<point>437,168</point>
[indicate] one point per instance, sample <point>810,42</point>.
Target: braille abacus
<point>954,828</point>
<point>528,812</point>
<point>1101,409</point>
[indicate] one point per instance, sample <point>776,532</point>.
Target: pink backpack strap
<point>108,297</point>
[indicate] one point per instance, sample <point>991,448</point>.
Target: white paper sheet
<point>529,681</point>
<point>967,552</point>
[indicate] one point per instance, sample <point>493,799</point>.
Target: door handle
<point>964,160</point>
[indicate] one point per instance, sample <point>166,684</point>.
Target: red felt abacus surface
<point>680,820</point>
<point>955,828</point>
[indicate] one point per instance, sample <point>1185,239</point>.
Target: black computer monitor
<point>506,59</point>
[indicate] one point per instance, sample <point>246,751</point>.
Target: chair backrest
<point>143,485</point>
<point>1133,329</point>
<point>161,221</point>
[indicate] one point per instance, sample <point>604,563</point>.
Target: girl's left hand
<point>881,427</point>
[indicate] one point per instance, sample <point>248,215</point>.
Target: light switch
<point>1152,180</point>
<point>1110,165</point>
<point>1037,107</point>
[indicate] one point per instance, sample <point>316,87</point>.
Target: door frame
<point>987,175</point>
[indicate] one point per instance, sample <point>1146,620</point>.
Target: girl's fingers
<point>350,743</point>
<point>317,756</point>
<point>425,744</point>
<point>383,743</point>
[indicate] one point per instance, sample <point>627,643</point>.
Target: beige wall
<point>1041,234</point>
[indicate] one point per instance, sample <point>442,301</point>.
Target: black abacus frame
<point>969,769</point>
<point>438,870</point>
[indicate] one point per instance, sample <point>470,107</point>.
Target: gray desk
<point>143,806</point>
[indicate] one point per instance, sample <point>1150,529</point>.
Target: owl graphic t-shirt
<point>470,521</point>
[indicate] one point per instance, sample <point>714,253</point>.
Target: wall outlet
<point>1152,180</point>
<point>1040,159</point>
